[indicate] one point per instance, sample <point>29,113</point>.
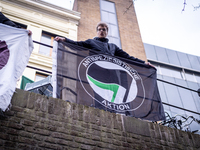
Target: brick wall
<point>38,122</point>
<point>128,26</point>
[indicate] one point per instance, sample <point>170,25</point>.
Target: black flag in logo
<point>107,82</point>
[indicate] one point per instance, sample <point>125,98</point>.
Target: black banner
<point>106,82</point>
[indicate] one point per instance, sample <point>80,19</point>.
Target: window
<point>47,39</point>
<point>190,76</point>
<point>39,77</point>
<point>108,15</point>
<point>176,72</point>
<point>197,76</point>
<point>171,72</point>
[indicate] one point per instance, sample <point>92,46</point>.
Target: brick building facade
<point>129,33</point>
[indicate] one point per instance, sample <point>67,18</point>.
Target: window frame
<point>40,74</point>
<point>112,38</point>
<point>183,71</point>
<point>52,36</point>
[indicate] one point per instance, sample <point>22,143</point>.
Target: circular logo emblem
<point>4,54</point>
<point>111,82</point>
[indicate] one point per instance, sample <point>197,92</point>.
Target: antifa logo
<point>114,84</point>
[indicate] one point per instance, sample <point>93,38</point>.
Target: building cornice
<point>46,8</point>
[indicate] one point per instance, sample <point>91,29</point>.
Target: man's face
<point>102,32</point>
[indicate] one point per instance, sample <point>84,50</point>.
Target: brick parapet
<point>38,122</point>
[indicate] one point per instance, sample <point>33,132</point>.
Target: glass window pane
<point>162,92</point>
<point>44,50</point>
<point>114,31</point>
<point>194,62</point>
<point>165,71</point>
<point>45,39</point>
<point>172,92</point>
<point>197,76</point>
<point>189,76</point>
<point>183,58</point>
<point>161,54</point>
<point>176,74</point>
<point>114,41</point>
<point>150,51</point>
<point>176,111</point>
<point>173,57</point>
<point>108,6</point>
<point>171,72</point>
<point>167,110</point>
<point>39,77</point>
<point>198,58</point>
<point>159,76</point>
<point>110,39</point>
<point>108,15</point>
<point>112,18</point>
<point>186,96</point>
<point>117,42</point>
<point>195,95</point>
<point>104,16</point>
<point>109,30</point>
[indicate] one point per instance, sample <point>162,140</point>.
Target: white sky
<point>163,23</point>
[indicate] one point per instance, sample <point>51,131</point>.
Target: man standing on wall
<point>100,43</point>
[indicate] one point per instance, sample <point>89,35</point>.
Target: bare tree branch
<point>196,7</point>
<point>129,6</point>
<point>184,5</point>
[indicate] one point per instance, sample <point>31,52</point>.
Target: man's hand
<point>57,38</point>
<point>29,32</point>
<point>148,63</point>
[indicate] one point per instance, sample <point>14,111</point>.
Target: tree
<point>184,5</point>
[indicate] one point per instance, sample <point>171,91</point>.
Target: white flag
<point>15,49</point>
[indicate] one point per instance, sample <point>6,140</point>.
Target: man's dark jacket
<point>5,20</point>
<point>102,45</point>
